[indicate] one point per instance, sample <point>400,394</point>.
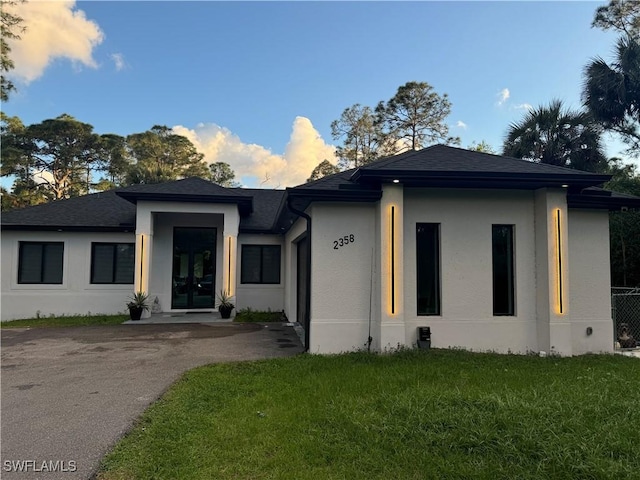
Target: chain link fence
<point>625,311</point>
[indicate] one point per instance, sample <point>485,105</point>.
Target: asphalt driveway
<point>68,394</point>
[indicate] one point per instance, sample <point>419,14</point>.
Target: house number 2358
<point>343,241</point>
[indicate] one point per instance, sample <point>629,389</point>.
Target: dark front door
<point>302,312</point>
<point>194,267</point>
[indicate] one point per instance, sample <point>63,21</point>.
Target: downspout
<point>307,300</point>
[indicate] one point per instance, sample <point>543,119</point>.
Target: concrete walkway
<point>68,394</point>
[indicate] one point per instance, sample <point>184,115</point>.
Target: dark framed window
<point>503,270</point>
<point>428,268</point>
<point>40,262</point>
<point>260,264</point>
<point>112,262</point>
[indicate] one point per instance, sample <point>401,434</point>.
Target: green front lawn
<point>259,316</point>
<point>70,321</point>
<point>410,415</point>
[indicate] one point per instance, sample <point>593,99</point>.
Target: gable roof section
<point>445,166</point>
<point>96,212</point>
<point>191,189</point>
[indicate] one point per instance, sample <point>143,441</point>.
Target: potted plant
<point>138,303</point>
<point>225,306</point>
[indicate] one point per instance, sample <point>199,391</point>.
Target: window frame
<point>114,262</point>
<point>510,268</point>
<point>43,262</point>
<point>437,251</point>
<point>262,248</point>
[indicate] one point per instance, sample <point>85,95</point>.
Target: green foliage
<point>611,93</point>
<point>483,147</point>
<point>138,300</point>
<point>66,321</point>
<point>247,315</point>
<point>161,155</point>
<point>408,415</point>
<point>415,118</point>
<point>557,136</point>
<point>323,169</point>
<point>224,299</point>
<point>621,15</point>
<point>54,158</point>
<point>362,137</point>
<point>222,174</point>
<point>10,28</point>
<point>624,227</point>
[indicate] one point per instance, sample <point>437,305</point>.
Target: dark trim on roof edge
<point>601,202</point>
<point>245,203</point>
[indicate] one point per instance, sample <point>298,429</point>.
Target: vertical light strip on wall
<point>559,259</point>
<point>141,260</point>
<point>229,270</point>
<point>393,261</point>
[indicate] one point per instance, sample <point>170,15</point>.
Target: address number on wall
<point>344,241</point>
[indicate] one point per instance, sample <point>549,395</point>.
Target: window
<point>428,268</point>
<point>112,262</point>
<point>40,262</point>
<point>260,264</point>
<point>503,278</point>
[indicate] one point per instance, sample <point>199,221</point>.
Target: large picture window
<point>112,262</point>
<point>428,268</point>
<point>40,262</point>
<point>260,264</point>
<point>503,270</point>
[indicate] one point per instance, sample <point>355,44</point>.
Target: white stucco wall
<point>466,218</point>
<point>76,295</point>
<point>590,281</point>
<point>341,277</point>
<point>258,296</point>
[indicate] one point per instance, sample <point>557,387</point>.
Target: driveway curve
<point>68,394</point>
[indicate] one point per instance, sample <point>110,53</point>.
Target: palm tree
<point>611,93</point>
<point>557,136</point>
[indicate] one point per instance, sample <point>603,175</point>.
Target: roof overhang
<point>68,228</point>
<point>245,203</point>
<point>603,200</point>
<point>439,179</point>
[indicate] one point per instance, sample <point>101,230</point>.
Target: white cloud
<point>54,29</point>
<point>461,124</point>
<point>118,61</point>
<point>254,163</point>
<point>503,95</point>
<point>523,106</point>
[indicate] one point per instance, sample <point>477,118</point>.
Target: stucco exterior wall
<point>258,296</point>
<point>590,281</point>
<point>341,275</point>
<point>466,218</point>
<point>76,295</point>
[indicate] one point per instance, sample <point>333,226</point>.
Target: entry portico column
<point>144,244</point>
<point>230,252</point>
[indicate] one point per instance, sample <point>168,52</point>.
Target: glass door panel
<point>193,267</point>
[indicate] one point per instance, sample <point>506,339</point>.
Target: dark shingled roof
<point>330,182</point>
<point>104,211</point>
<point>265,209</point>
<point>443,158</point>
<point>109,211</point>
<point>186,186</point>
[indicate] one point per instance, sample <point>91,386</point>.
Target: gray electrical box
<point>424,338</point>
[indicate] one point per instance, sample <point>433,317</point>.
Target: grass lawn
<point>411,415</point>
<point>70,321</point>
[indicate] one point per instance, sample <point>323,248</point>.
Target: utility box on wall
<point>424,338</point>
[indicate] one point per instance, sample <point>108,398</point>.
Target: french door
<point>194,267</point>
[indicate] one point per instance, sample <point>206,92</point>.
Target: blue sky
<point>258,84</point>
